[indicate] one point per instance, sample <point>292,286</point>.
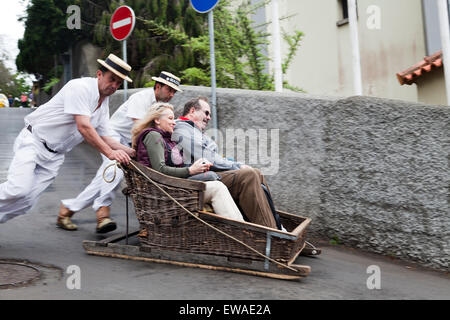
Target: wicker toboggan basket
<point>165,225</point>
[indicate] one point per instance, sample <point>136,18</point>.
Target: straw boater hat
<point>117,66</point>
<point>169,79</point>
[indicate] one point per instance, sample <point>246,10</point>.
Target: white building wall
<point>323,62</point>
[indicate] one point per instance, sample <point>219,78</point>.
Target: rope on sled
<point>114,175</point>
<point>209,225</point>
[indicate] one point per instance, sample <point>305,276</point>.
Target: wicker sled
<point>176,229</point>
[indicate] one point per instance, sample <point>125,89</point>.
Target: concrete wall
<point>372,173</point>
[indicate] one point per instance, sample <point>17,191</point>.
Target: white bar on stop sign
<point>121,23</point>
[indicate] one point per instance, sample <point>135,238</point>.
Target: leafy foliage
<point>154,44</point>
<point>169,35</point>
<point>12,83</point>
<point>293,42</point>
<point>238,49</point>
<point>46,34</point>
<point>48,86</point>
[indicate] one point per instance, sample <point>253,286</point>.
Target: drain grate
<point>13,274</point>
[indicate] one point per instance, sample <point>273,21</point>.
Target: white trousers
<point>31,171</point>
<point>220,198</point>
<point>98,193</point>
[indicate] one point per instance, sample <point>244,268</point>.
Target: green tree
<point>12,83</point>
<point>47,36</point>
<point>240,62</point>
<point>169,35</point>
<point>148,51</point>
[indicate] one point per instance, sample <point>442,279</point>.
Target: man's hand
<point>120,156</point>
<point>244,166</point>
<point>199,166</point>
<point>116,145</point>
<point>131,152</point>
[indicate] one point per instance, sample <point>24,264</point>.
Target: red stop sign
<point>122,23</point>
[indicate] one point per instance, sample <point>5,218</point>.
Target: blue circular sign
<point>203,6</point>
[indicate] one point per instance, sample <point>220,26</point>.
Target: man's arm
<point>91,136</point>
<point>116,145</point>
<point>191,143</point>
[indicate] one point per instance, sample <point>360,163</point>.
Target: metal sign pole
<point>125,83</point>
<point>207,6</point>
<point>213,71</point>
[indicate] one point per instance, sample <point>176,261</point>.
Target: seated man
<point>244,182</point>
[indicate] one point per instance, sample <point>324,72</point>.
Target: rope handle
<point>114,163</point>
<point>211,226</point>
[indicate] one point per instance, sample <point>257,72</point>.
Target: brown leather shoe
<point>63,221</point>
<point>104,223</point>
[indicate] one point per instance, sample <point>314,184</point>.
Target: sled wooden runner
<point>110,247</point>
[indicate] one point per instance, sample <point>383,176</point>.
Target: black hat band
<point>116,67</point>
<point>170,79</point>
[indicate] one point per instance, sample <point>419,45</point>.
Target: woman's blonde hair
<point>155,112</point>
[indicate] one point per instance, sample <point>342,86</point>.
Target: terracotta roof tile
<point>410,75</point>
<point>438,63</point>
<point>427,68</point>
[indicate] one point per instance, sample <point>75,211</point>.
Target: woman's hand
<point>199,166</point>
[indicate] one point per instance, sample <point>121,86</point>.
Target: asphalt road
<point>339,273</point>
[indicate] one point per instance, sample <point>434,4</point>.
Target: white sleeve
<point>76,99</point>
<point>103,128</point>
<point>138,105</point>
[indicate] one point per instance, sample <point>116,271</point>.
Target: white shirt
<point>54,122</point>
<point>134,108</point>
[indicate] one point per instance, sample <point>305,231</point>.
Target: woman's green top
<point>155,146</point>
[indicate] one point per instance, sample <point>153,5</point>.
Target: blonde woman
<point>151,138</point>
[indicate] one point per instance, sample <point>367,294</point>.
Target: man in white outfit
<point>100,193</point>
<point>79,111</point>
